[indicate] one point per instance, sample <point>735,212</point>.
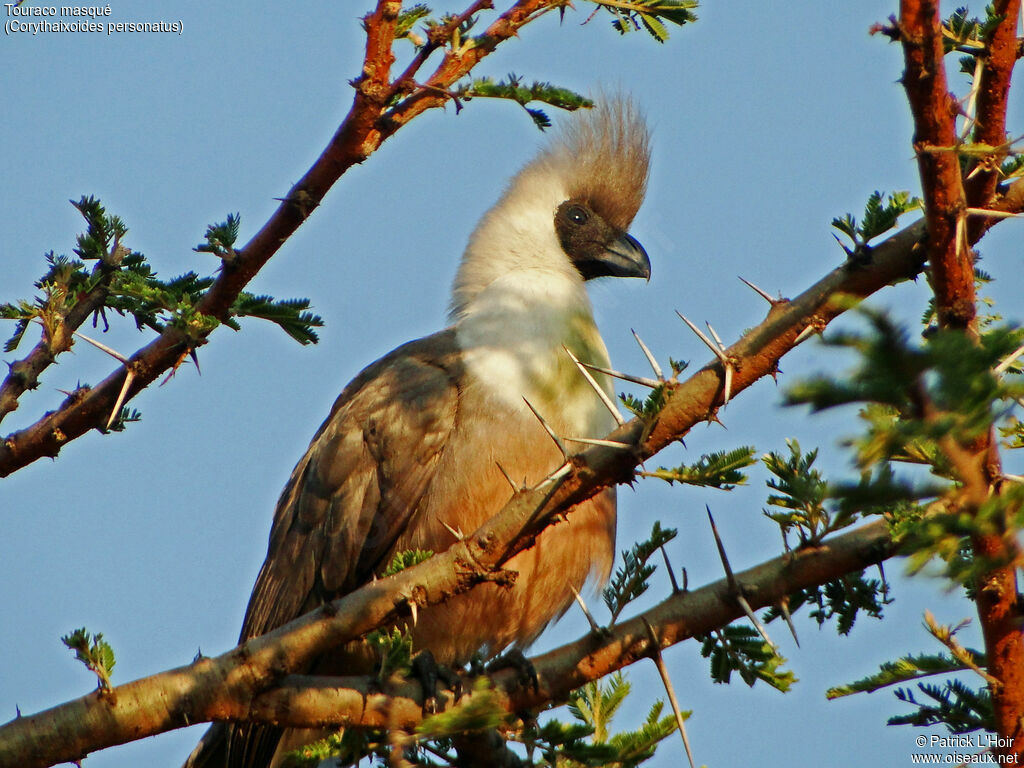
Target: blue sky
<point>769,119</point>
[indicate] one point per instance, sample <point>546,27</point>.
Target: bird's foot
<point>527,673</point>
<point>428,672</point>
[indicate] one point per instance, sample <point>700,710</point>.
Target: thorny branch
<point>229,687</point>
<point>952,276</point>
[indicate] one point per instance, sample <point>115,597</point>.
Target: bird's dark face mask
<point>595,247</point>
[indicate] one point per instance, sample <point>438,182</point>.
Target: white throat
<point>512,333</point>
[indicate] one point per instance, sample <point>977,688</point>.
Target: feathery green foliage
<point>406,559</point>
<point>393,650</point>
<point>407,20</point>
<point>288,314</point>
<point>123,282</point>
<point>920,401</point>
<point>480,711</point>
<point>739,648</point>
<point>903,670</point>
<point>720,469</point>
<point>842,599</point>
<point>969,34</point>
<point>221,238</point>
<point>650,406</point>
<point>94,652</point>
<point>630,580</point>
<point>513,89</point>
<point>649,15</point>
<point>879,217</point>
<point>955,705</point>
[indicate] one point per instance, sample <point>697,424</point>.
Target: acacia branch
<point>934,111</point>
<point>211,689</point>
<point>952,271</point>
<point>1001,52</point>
<point>58,337</point>
<point>367,125</point>
<point>302,701</point>
<point>248,684</point>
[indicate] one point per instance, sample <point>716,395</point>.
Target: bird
<point>423,441</point>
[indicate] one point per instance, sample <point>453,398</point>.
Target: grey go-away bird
<point>412,447</point>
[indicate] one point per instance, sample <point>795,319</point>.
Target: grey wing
<point>353,495</point>
<point>358,487</point>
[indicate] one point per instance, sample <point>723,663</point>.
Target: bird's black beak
<point>625,257</point>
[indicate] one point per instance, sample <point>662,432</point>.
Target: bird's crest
<point>604,155</point>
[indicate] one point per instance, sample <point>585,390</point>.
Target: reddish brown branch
<point>952,273</point>
<point>1001,51</point>
<point>935,141</point>
<point>58,337</point>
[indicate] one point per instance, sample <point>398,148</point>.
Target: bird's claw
<point>527,673</point>
<point>428,672</point>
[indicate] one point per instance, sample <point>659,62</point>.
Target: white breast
<point>512,336</point>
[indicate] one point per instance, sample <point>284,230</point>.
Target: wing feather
<point>353,495</point>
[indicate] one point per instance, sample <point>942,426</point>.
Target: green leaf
<point>393,651</point>
<point>630,581</point>
<point>407,19</point>
<point>843,599</point>
<point>289,314</point>
<point>720,469</point>
<point>879,217</point>
<point>406,559</point>
<point>957,706</point>
<point>480,711</point>
<point>94,652</point>
<point>740,649</point>
<point>901,671</point>
<point>649,407</point>
<point>649,15</point>
<point>513,89</point>
<point>221,238</point>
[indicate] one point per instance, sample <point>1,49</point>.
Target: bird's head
<point>568,211</point>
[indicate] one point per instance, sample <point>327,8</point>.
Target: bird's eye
<point>577,214</point>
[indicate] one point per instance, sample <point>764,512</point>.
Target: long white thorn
<point>711,345</point>
<point>1009,359</point>
<point>555,476</point>
<point>727,388</point>
<point>993,214</point>
<point>603,443</point>
<point>100,345</point>
<point>734,586</point>
<point>594,626</point>
<point>972,99</point>
<point>548,429</point>
<point>129,374</point>
<point>459,536</point>
<point>754,620</point>
<point>597,388</point>
<point>760,292</point>
<point>810,330</point>
<point>641,380</point>
<point>650,357</point>
<point>511,482</point>
<point>784,608</point>
<point>719,350</point>
<point>659,662</point>
<point>715,336</point>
